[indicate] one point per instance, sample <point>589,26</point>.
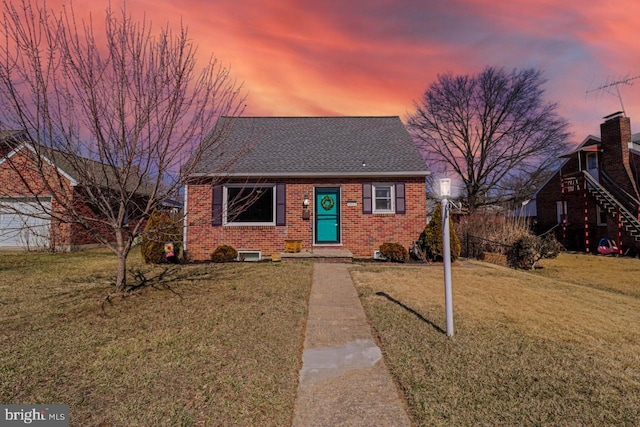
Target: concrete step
<point>319,255</point>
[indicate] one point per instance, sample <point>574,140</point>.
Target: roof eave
<point>402,174</point>
<point>72,181</point>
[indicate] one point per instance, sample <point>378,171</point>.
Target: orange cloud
<point>369,57</point>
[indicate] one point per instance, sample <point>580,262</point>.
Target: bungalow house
<point>349,183</point>
<point>594,194</point>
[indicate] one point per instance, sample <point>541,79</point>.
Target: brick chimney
<point>615,135</point>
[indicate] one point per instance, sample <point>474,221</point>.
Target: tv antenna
<point>612,85</point>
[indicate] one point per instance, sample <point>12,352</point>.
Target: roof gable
<point>30,148</point>
<point>72,167</point>
<point>315,146</point>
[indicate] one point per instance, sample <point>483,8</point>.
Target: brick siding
<point>614,156</point>
<point>616,160</point>
<point>21,179</point>
<point>361,233</point>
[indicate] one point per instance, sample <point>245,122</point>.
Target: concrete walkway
<point>343,380</point>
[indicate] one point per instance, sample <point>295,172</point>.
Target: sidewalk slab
<point>343,380</point>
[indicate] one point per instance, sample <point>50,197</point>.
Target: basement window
<point>249,255</point>
<point>378,255</point>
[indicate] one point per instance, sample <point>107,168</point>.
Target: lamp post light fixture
<point>445,191</point>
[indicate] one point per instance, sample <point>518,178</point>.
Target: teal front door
<point>327,206</point>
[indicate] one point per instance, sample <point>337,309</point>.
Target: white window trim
<point>225,196</point>
<point>393,198</point>
<point>378,255</point>
<point>249,251</point>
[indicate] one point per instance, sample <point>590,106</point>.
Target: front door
<point>327,207</point>
<point>592,165</point>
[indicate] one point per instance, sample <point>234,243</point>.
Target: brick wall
<point>614,156</point>
<point>546,203</point>
<point>361,233</point>
<point>21,179</point>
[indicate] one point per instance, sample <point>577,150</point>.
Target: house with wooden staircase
<point>594,194</point>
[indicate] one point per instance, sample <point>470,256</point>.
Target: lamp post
<point>445,191</point>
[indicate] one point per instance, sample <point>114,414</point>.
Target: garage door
<point>20,229</point>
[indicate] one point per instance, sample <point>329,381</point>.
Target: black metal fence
<point>472,246</point>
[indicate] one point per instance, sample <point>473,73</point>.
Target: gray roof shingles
<point>317,146</point>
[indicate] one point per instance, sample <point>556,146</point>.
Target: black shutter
<point>216,206</point>
<point>367,202</point>
<point>281,204</point>
<point>401,207</point>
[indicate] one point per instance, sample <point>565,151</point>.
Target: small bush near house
<point>530,249</point>
<point>431,239</point>
<point>224,253</point>
<point>394,252</point>
<point>160,229</point>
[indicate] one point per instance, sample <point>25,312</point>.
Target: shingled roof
<point>315,146</point>
<point>75,168</point>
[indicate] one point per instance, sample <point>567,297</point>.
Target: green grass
<point>202,345</point>
<point>527,350</point>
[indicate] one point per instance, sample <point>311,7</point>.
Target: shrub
<point>491,232</point>
<point>224,253</point>
<point>394,252</point>
<point>530,249</point>
<point>160,228</point>
<point>431,239</point>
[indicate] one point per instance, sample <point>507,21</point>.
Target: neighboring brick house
<point>26,203</point>
<point>595,192</point>
<point>350,183</point>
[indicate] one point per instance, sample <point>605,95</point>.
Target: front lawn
<point>616,274</point>
<point>529,349</point>
<point>201,345</point>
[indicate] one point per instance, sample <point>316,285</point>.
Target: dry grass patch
<point>528,350</point>
<point>602,272</point>
<point>203,345</point>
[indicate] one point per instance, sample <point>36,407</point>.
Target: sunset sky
<point>376,57</point>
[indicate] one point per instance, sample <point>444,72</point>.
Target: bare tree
<point>119,111</point>
<point>493,130</point>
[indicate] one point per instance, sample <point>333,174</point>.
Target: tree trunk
<point>121,276</point>
<point>122,251</point>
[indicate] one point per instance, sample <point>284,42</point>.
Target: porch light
<point>305,202</point>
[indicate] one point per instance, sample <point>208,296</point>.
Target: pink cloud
<point>378,56</point>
